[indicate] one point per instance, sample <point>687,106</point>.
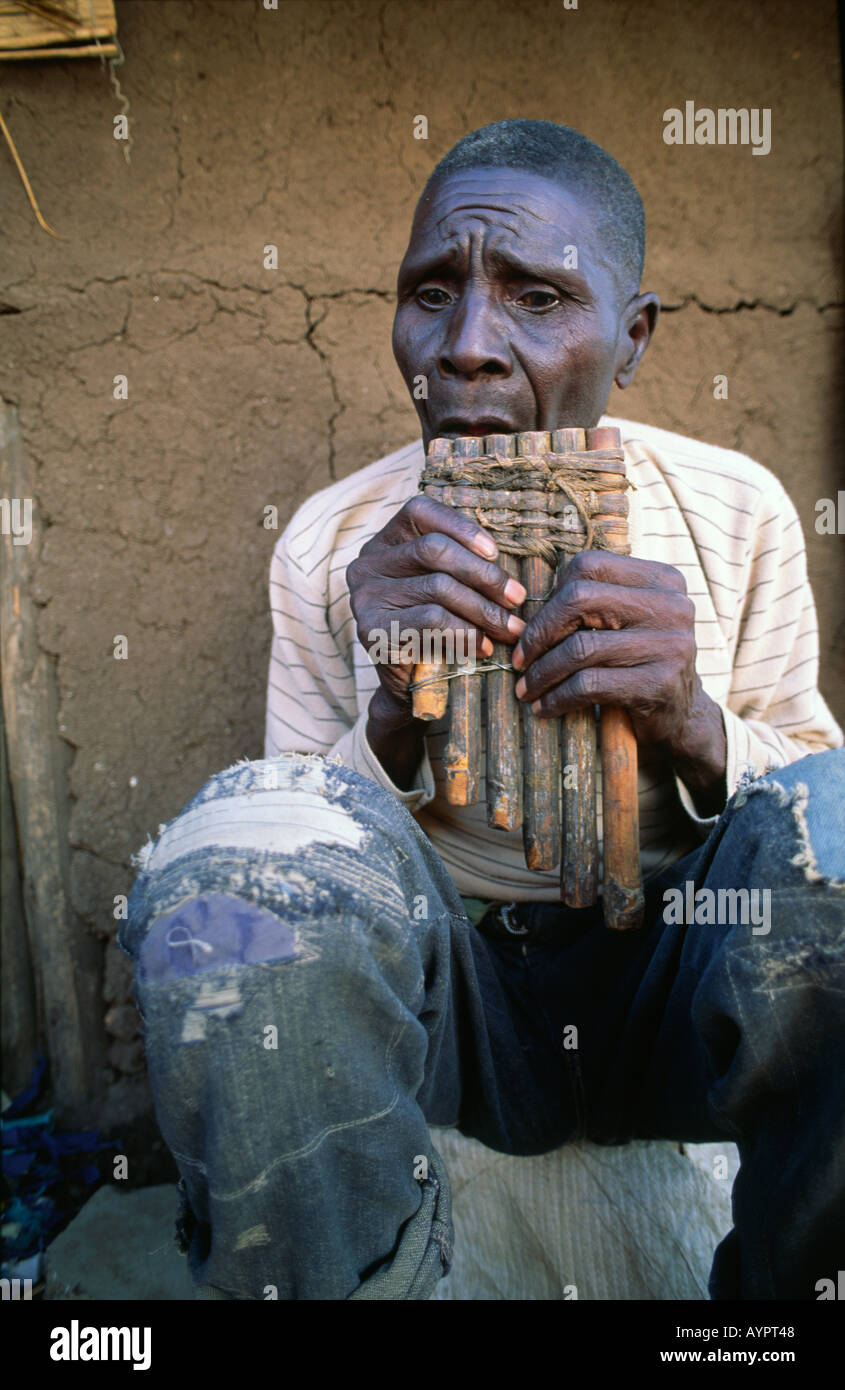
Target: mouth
<point>453,427</point>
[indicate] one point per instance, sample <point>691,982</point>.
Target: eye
<point>432,297</point>
<point>539,299</point>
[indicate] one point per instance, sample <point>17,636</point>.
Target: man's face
<point>507,332</point>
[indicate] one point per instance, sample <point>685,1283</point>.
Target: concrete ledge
<point>120,1246</point>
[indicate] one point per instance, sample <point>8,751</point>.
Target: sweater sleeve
<point>774,713</point>
<point>313,704</point>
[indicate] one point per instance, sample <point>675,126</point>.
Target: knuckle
<point>669,577</point>
<point>687,608</point>
<point>491,614</point>
<point>583,644</point>
<point>437,586</point>
<point>581,592</point>
<point>580,563</point>
<point>432,548</point>
<point>584,682</point>
<point>434,617</point>
<point>542,628</point>
<point>680,611</point>
<point>375,542</point>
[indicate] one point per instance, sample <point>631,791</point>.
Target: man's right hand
<point>429,569</point>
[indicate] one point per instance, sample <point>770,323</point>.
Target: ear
<point>639,320</point>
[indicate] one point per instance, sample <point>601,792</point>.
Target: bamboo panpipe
<point>543,497</point>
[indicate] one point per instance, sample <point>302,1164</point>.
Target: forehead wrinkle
<point>446,229</point>
<point>539,258</point>
<point>574,200</point>
<point>493,238</point>
<point>455,240</point>
<point>478,207</point>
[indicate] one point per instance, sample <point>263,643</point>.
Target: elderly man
<point>325,957</point>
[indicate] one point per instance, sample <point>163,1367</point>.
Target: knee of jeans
<point>257,869</point>
<point>798,816</point>
<point>285,803</point>
<point>325,784</point>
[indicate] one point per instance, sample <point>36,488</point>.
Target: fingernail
<point>485,546</point>
<point>486,647</point>
<point>514,591</point>
<point>516,625</point>
<point>535,708</point>
<point>520,688</point>
<point>517,659</point>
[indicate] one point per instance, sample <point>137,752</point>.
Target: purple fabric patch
<point>211,932</point>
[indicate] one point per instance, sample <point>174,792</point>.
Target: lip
<point>454,427</point>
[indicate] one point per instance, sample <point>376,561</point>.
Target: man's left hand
<point>621,631</point>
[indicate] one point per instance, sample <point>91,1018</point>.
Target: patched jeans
<point>314,996</point>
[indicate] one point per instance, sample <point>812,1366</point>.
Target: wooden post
<point>64,959</point>
<point>18,1012</point>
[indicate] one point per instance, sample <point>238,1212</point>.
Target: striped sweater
<point>720,518</point>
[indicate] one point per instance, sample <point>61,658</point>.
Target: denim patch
<point>211,932</point>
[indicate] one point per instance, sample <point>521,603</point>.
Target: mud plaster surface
<point>250,387</point>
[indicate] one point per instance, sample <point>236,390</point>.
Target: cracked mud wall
<point>250,388</point>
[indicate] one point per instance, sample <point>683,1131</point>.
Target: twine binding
<point>514,498</point>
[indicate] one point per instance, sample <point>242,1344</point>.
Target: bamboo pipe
<point>430,700</point>
<point>503,722</point>
<point>462,756</point>
<point>579,863</point>
<point>541,789</point>
<point>622,891</point>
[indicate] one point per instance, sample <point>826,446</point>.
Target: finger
<point>422,514</point>
<point>587,603</point>
<point>403,647</point>
<point>435,553</point>
<point>639,689</point>
<point>589,647</point>
<point>425,633</point>
<point>436,603</point>
<point>608,568</point>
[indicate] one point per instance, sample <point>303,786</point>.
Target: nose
<point>474,345</point>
